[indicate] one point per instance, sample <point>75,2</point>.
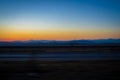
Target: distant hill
<point>99,42</point>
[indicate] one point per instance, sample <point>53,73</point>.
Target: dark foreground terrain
<point>60,70</point>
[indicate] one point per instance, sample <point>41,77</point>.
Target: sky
<point>59,19</point>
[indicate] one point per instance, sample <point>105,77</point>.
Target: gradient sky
<point>59,19</point>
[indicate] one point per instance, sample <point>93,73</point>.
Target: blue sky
<point>79,15</point>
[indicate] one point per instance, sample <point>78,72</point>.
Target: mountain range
<point>108,42</point>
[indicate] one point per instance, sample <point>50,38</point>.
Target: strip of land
<point>59,48</point>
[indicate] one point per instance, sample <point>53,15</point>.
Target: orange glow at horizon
<point>54,35</point>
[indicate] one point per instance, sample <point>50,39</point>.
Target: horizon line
<point>56,40</point>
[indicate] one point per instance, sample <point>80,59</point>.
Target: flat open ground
<point>60,70</point>
<point>59,48</point>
